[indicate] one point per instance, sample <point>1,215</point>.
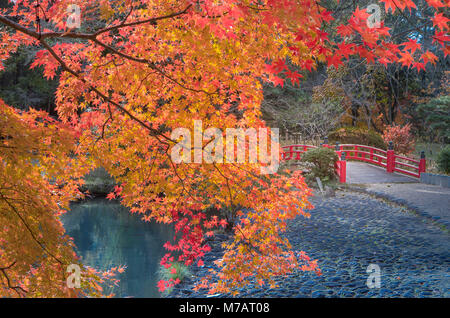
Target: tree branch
<point>89,36</point>
<point>150,20</point>
<point>8,281</point>
<point>13,208</point>
<point>154,132</point>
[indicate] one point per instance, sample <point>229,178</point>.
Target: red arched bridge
<point>386,159</point>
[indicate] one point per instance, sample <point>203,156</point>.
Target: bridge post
<point>390,158</point>
<point>422,162</point>
<point>337,148</point>
<point>342,169</point>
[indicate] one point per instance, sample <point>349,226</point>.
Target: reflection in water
<point>107,235</point>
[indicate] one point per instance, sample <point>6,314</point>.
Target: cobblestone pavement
<point>428,200</point>
<point>346,234</point>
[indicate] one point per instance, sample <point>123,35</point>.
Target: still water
<point>106,235</point>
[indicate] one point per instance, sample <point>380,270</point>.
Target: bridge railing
<point>293,152</point>
<point>364,153</point>
<point>409,166</point>
<point>384,158</point>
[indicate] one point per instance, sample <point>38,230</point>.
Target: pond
<point>106,235</point>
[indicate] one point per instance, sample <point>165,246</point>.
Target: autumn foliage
<point>34,250</point>
<point>401,136</point>
<point>133,73</point>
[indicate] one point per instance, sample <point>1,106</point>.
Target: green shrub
<point>182,272</point>
<point>353,135</point>
<point>443,160</point>
<point>322,162</point>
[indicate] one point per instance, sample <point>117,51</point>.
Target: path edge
<point>417,210</point>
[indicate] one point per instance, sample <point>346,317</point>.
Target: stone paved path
<point>346,234</point>
<point>429,200</point>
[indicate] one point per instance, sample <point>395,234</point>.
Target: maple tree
<point>34,250</point>
<point>137,71</point>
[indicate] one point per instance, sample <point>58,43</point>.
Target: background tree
<point>385,93</point>
<point>435,117</point>
<point>24,87</point>
<point>297,109</point>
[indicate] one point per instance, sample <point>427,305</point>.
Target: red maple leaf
<point>277,81</point>
<point>411,45</point>
<point>409,4</point>
<point>360,15</point>
<point>419,66</point>
<point>111,196</point>
<point>322,35</point>
<point>345,30</point>
<point>446,50</point>
<point>440,21</point>
<point>406,59</point>
<point>435,3</point>
<point>279,66</point>
<point>308,64</point>
<point>389,4</point>
<point>429,57</point>
<point>346,49</point>
<point>294,77</point>
<point>223,223</point>
<point>364,53</point>
<point>441,37</point>
<point>326,16</point>
<point>334,60</point>
<point>383,30</point>
<point>385,61</point>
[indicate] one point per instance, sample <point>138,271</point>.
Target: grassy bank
<point>431,152</point>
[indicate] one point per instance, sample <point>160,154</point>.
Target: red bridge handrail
<point>384,158</point>
<point>291,151</point>
<point>408,159</point>
<point>340,165</point>
<point>365,153</point>
<point>361,146</point>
